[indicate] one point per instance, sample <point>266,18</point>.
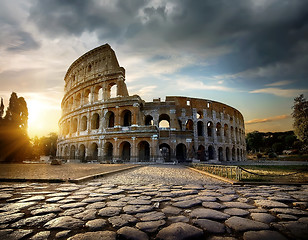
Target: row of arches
<point>90,95</point>
<point>143,154</point>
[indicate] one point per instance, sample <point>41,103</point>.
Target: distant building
<point>101,121</point>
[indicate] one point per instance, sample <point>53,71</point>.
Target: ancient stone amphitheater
<point>101,121</point>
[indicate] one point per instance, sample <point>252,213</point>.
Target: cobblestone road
<point>153,202</point>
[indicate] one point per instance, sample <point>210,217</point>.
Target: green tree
<point>254,141</point>
<point>13,130</point>
<point>300,116</point>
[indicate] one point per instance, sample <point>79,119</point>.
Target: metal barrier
<point>232,172</point>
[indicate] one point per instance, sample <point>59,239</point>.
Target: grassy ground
<point>47,171</point>
<point>273,173</point>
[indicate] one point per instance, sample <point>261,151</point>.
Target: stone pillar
<point>116,150</point>
<point>133,153</point>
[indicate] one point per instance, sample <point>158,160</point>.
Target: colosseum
<point>101,122</point>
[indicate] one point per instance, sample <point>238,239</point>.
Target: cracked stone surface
<point>153,202</point>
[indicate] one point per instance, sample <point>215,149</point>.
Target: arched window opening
<point>66,152</point>
<point>199,115</point>
<point>238,155</point>
<point>108,151</point>
<point>201,153</point>
<point>113,90</point>
<point>180,124</point>
<point>208,104</point>
<point>165,152</point>
<point>75,124</point>
<point>100,94</point>
<point>72,153</point>
<point>218,129</point>
<point>209,129</point>
<point>144,151</point>
<point>189,125</point>
<point>78,100</point>
<point>149,120</point>
<point>125,151</point>
<point>200,128</point>
<point>95,121</point>
<point>84,123</point>
<point>181,152</point>
<point>110,119</point>
<point>164,121</point>
<point>226,134</point>
<point>227,154</point>
<point>82,153</point>
<point>232,133</point>
<point>89,68</point>
<point>87,96</point>
<point>96,94</point>
<point>233,154</point>
<point>127,118</point>
<point>94,151</point>
<point>220,154</point>
<point>211,153</point>
<point>68,127</point>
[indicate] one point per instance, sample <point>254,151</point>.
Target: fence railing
<point>232,172</point>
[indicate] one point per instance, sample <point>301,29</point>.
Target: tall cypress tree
<point>13,130</point>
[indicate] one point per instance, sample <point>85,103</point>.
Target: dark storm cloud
<point>12,35</point>
<point>258,33</point>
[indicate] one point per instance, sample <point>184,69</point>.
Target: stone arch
<point>199,115</point>
<point>98,93</point>
<point>94,151</point>
<point>109,119</point>
<point>201,153</point>
<point>70,103</point>
<point>125,151</point>
<point>189,125</point>
<point>74,125</point>
<point>113,89</point>
<point>236,135</point>
<point>73,152</point>
<point>164,121</point>
<point>218,129</point>
<point>220,154</point>
<point>211,152</point>
<point>66,152</point>
<point>95,121</point>
<point>148,120</point>
<point>165,151</point>
<point>238,154</point>
<point>108,151</point>
<point>144,151</point>
<point>210,129</point>
<point>87,96</point>
<point>126,117</point>
<point>233,154</point>
<point>78,100</point>
<point>181,152</point>
<point>200,129</point>
<point>82,152</point>
<point>232,133</point>
<point>227,154</point>
<point>84,123</point>
<point>226,132</point>
<point>68,127</point>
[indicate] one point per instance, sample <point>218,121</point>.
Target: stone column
<point>133,154</point>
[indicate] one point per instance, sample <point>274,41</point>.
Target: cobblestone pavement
<point>153,202</point>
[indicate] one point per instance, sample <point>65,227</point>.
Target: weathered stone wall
<point>100,121</point>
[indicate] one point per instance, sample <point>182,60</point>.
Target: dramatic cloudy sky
<point>250,54</point>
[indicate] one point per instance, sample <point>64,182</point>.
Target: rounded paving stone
<point>175,219</point>
<point>236,212</point>
<point>264,235</point>
<point>41,236</point>
<point>150,216</point>
<point>171,210</point>
<point>151,226</point>
<point>65,222</point>
<point>262,217</point>
<point>133,209</point>
<point>210,226</point>
<point>244,224</point>
<point>101,235</point>
<point>109,211</point>
<point>96,224</point>
<point>270,204</point>
<point>213,205</point>
<point>122,220</point>
<point>130,233</point>
<point>209,214</point>
<point>179,231</point>
<point>33,221</point>
<point>187,203</point>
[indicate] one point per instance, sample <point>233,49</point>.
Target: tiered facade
<point>101,121</point>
